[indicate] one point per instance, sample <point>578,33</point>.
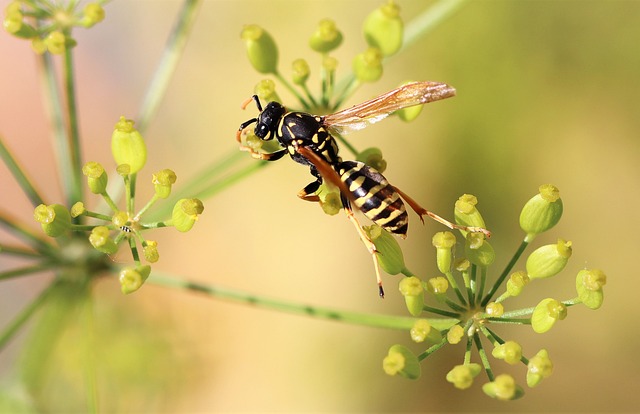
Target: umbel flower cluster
<point>470,305</point>
<point>130,154</point>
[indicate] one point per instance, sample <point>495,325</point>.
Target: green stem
<point>346,143</point>
<point>18,251</point>
<point>456,288</point>
<point>441,312</point>
<point>432,349</point>
<point>90,356</point>
<point>15,325</point>
<point>512,321</point>
<point>173,50</point>
<point>146,207</point>
<point>379,321</point>
<point>505,272</point>
<point>483,356</point>
<point>73,146</point>
<point>25,271</point>
<point>19,174</point>
<point>23,232</point>
<point>291,89</point>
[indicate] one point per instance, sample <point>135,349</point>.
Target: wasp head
<point>268,120</point>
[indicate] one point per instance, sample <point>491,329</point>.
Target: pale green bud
<point>128,147</point>
<point>367,66</point>
<point>461,376</point>
<point>548,260</point>
<point>261,49</point>
<point>383,28</point>
<point>541,212</point>
<point>326,38</point>
<point>55,219</point>
<point>401,361</point>
<point>185,213</point>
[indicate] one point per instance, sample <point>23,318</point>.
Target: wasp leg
<point>308,193</point>
<point>420,211</point>
<point>273,156</point>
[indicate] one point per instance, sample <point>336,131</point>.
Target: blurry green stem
<point>505,272</point>
<point>19,174</point>
<point>25,271</point>
<point>379,321</point>
<point>172,52</point>
<point>73,135</point>
<point>483,356</point>
<point>36,242</point>
<point>282,79</point>
<point>24,316</point>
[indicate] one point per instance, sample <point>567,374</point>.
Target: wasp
<point>310,140</point>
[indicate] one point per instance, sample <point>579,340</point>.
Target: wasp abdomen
<point>374,196</point>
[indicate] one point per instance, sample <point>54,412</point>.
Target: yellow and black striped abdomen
<point>374,196</point>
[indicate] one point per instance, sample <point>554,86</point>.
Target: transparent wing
<point>369,112</point>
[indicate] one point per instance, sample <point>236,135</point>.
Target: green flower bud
<point>330,199</point>
<point>150,251</point>
<point>444,242</point>
<point>56,42</point>
<point>185,213</point>
<point>373,158</point>
<point>329,64</point>
<point>539,367</point>
<point>266,91</point>
<point>420,330</point>
<point>96,177</point>
<point>131,279</point>
<point>54,219</point>
<point>548,260</point>
<point>78,209</point>
<point>367,66</point>
<point>389,254</point>
<point>410,113</point>
<point>100,239</point>
<point>14,24</point>
<point>438,286</point>
<point>326,38</point>
<point>461,264</point>
<point>517,282</point>
<point>301,71</point>
<point>401,361</point>
<point>541,212</point>
<point>510,352</point>
<point>589,285</point>
<point>413,292</point>
<point>120,218</point>
<point>461,376</point>
<point>503,388</point>
<point>546,313</point>
<point>455,334</point>
<point>383,29</point>
<point>128,147</point>
<point>38,45</point>
<point>162,182</point>
<point>93,13</point>
<point>466,213</point>
<point>494,309</point>
<point>478,250</point>
<point>261,49</point>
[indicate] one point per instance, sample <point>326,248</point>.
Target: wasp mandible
<point>309,141</point>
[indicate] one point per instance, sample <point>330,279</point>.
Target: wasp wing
<point>362,115</point>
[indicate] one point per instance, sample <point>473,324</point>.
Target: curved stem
<point>19,174</point>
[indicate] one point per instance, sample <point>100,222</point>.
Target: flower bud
<point>420,330</point>
<point>455,334</point>
<point>413,292</point>
<point>266,91</point>
<point>438,286</point>
<point>56,42</point>
<point>539,367</point>
<point>38,45</point>
<point>541,212</point>
<point>54,219</point>
<point>100,239</point>
<point>461,376</point>
<point>494,309</point>
<point>546,313</point>
<point>162,182</point>
<point>444,242</point>
<point>589,285</point>
<point>131,279</point>
<point>504,388</point>
<point>367,66</point>
<point>93,13</point>
<point>185,213</point>
<point>261,49</point>
<point>401,361</point>
<point>14,23</point>
<point>127,146</point>
<point>466,213</point>
<point>517,282</point>
<point>383,29</point>
<point>478,250</point>
<point>77,209</point>
<point>548,260</point>
<point>510,352</point>
<point>373,158</point>
<point>326,38</point>
<point>330,200</point>
<point>389,254</point>
<point>96,177</point>
<point>120,218</point>
<point>301,71</point>
<point>150,251</point>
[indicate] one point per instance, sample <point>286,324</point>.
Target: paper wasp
<point>309,141</point>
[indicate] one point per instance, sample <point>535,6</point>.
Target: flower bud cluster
<point>130,154</point>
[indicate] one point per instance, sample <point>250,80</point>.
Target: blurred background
<point>547,93</point>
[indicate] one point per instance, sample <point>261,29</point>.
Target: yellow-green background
<point>547,93</point>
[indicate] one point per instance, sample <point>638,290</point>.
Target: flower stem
<point>483,356</point>
<point>505,272</point>
<point>379,321</point>
<point>432,349</point>
<point>73,136</point>
<point>22,231</point>
<point>25,271</point>
<point>19,174</point>
<point>164,71</point>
